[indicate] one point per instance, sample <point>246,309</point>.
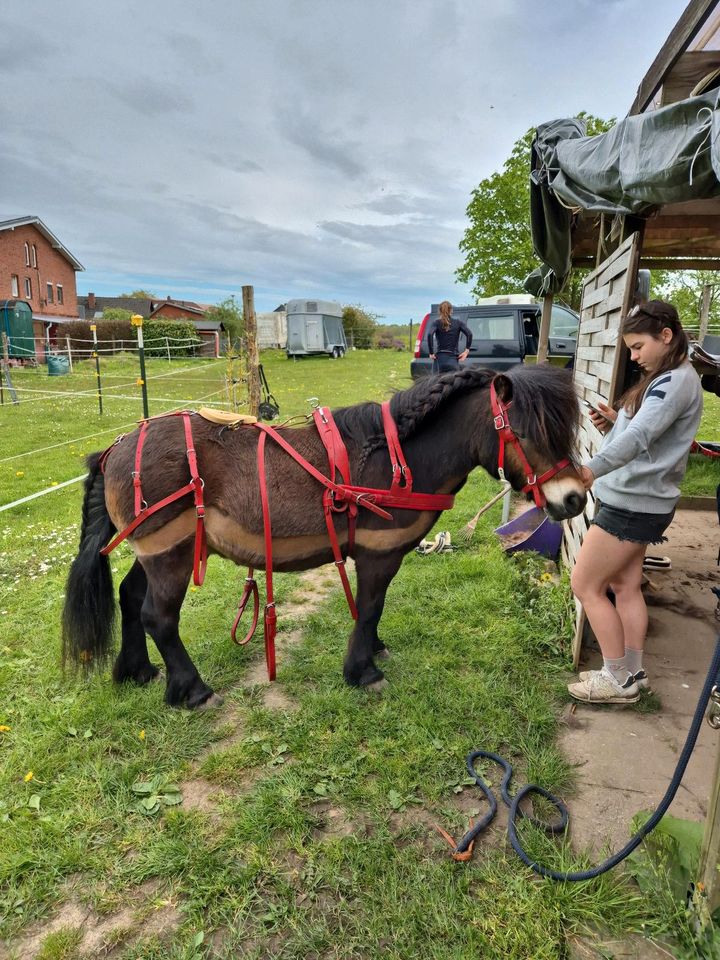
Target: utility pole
<point>250,321</point>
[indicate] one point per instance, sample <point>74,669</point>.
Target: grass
<point>479,648</point>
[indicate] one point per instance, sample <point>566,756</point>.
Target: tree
<point>229,313</point>
<point>498,243</point>
<point>359,325</point>
<point>117,313</point>
<point>684,289</point>
<point>139,295</point>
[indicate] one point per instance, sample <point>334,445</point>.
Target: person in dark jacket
<point>443,340</point>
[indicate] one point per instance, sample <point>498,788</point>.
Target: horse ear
<point>503,387</point>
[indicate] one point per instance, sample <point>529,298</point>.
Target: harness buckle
<point>500,422</point>
<point>501,474</point>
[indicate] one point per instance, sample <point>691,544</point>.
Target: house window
<point>14,286</point>
<point>60,293</point>
<point>28,288</point>
<point>27,254</point>
<point>33,252</point>
<point>49,293</point>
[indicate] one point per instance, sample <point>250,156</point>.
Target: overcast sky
<point>309,147</point>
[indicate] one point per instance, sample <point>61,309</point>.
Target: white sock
<point>617,668</point>
<point>633,659</point>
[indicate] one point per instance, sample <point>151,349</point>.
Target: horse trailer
<point>313,327</point>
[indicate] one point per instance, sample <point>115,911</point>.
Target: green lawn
<point>318,842</point>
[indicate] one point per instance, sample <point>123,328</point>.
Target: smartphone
<point>594,409</point>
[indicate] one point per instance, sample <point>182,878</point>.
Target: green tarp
<point>645,161</point>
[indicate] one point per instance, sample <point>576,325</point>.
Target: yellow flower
<point>142,735</point>
<point>53,483</point>
<point>139,382</point>
<point>4,728</point>
<point>545,577</point>
<point>28,776</point>
<point>19,473</point>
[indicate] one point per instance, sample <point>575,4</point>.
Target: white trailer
<point>315,327</point>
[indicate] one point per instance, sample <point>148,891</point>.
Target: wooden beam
<point>684,31</point>
<point>691,68</point>
<point>253,356</point>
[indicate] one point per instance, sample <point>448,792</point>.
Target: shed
<point>16,322</point>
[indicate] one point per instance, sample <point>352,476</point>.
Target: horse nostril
<point>573,503</point>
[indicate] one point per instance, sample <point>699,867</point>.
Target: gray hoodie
<point>643,458</point>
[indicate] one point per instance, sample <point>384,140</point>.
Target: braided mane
<point>545,407</point>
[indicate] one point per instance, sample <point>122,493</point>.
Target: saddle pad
<point>225,417</point>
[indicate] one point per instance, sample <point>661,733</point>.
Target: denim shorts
<point>632,525</point>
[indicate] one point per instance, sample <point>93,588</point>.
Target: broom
<point>468,530</point>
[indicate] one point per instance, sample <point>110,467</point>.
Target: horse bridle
<point>506,435</point>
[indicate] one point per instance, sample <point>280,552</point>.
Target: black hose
<point>713,678</point>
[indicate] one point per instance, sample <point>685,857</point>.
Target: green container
<point>58,366</point>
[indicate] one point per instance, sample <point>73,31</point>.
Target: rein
<point>506,435</point>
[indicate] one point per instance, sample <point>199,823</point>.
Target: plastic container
<point>57,366</point>
<point>532,530</point>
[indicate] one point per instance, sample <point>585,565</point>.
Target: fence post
<point>67,341</point>
<point>253,375</point>
<point>704,312</point>
<point>167,347</point>
<point>542,353</point>
<point>137,321</point>
<point>217,345</point>
<point>93,327</point>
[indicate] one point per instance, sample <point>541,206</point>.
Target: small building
<point>38,270</point>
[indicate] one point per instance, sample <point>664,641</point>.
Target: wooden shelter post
<point>253,367</point>
<point>542,354</point>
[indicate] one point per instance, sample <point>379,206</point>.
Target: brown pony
<point>446,428</point>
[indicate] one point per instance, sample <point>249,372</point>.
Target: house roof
<point>14,222</point>
<point>187,305</point>
<point>143,306</point>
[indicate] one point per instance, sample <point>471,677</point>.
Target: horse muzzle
<point>566,498</point>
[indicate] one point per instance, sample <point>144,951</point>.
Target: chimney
<point>91,302</point>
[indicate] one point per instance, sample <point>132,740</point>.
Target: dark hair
<point>652,317</point>
<point>445,311</point>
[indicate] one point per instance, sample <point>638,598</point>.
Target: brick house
<point>37,269</point>
<point>206,329</point>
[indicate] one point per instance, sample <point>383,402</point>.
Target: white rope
<point>100,433</point>
<point>41,493</point>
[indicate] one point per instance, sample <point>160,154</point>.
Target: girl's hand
<point>432,356</point>
<point>587,477</point>
<point>463,355</point>
<point>604,420</point>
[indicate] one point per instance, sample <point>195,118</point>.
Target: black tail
<point>89,613</point>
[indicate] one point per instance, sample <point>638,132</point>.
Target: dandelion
<point>141,735</point>
<point>193,589</point>
<point>53,483</point>
<point>19,473</point>
<point>28,776</point>
<point>4,728</point>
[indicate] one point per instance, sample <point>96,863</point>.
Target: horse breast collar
<point>506,434</point>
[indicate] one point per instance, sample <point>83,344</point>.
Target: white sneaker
<point>640,678</point>
<point>602,687</point>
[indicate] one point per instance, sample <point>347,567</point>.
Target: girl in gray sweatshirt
<point>636,478</point>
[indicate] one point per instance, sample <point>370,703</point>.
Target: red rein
<point>339,496</point>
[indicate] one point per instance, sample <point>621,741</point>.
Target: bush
<point>386,341</point>
<point>81,336</point>
<point>157,330</point>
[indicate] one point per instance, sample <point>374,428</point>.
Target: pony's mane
<point>545,407</point>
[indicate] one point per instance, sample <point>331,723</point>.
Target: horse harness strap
<point>506,435</point>
<point>143,511</point>
<point>339,496</point>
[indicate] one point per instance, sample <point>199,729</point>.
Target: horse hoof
<point>382,654</point>
<point>212,703</point>
<point>377,686</point>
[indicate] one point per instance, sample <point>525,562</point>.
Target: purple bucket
<point>540,533</point>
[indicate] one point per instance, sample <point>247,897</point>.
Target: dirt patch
<point>335,822</point>
<point>624,758</point>
<point>143,915</point>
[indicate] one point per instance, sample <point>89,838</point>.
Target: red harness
<point>506,434</point>
<point>339,496</point>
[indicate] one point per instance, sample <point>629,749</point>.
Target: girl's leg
<point>630,603</point>
<point>603,560</point>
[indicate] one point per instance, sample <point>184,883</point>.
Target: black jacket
<point>447,340</point>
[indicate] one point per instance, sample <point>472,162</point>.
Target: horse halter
<point>506,434</point>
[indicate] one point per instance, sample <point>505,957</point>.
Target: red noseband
<point>506,434</point>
